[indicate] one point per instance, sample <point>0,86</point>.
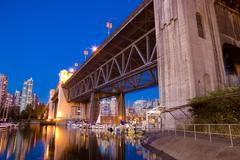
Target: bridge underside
<point>125,62</point>
<point>185,48</point>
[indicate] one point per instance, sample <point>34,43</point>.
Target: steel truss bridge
<point>125,62</point>
<point>128,60</point>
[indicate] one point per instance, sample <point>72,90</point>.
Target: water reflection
<point>53,143</point>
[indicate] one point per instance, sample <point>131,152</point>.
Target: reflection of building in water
<point>50,142</point>
<point>17,143</point>
<point>107,147</point>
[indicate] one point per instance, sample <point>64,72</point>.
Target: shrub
<point>219,107</point>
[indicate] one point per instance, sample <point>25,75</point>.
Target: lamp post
<point>109,26</point>
<point>85,54</point>
<point>75,64</point>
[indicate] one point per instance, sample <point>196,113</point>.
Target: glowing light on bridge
<point>59,115</point>
<point>75,64</point>
<point>120,117</point>
<point>71,70</point>
<point>64,75</point>
<point>94,48</point>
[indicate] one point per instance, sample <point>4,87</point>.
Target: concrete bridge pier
<point>84,110</point>
<point>94,108</point>
<point>121,107</point>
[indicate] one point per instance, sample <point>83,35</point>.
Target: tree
<point>39,111</point>
<point>26,114</point>
<point>14,113</point>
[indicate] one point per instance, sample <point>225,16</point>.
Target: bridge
<point>187,48</point>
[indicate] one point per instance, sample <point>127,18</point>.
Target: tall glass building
<point>27,97</point>
<point>17,98</point>
<point>3,88</point>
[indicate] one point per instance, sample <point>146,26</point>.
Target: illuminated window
<point>200,25</point>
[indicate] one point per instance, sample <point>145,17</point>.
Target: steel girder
<point>138,57</point>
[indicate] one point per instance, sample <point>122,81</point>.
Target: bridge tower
<point>190,36</point>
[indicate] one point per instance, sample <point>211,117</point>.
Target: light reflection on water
<point>53,143</point>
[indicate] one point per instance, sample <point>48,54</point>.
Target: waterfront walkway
<point>190,149</point>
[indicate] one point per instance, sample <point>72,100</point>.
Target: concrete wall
<point>188,65</point>
<point>64,107</point>
<point>51,105</point>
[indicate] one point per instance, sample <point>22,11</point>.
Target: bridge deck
<point>137,24</point>
<point>131,35</point>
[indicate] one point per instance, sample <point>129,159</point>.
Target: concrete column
<point>121,107</point>
<point>175,66</point>
<point>94,108</point>
<point>83,114</point>
<point>188,64</point>
<point>55,105</point>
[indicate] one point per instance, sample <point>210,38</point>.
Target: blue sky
<point>38,38</point>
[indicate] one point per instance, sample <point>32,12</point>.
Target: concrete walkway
<point>189,149</point>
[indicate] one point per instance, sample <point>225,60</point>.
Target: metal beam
<point>106,69</point>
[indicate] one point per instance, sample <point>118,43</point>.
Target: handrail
<point>209,130</point>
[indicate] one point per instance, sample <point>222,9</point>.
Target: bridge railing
<point>228,133</point>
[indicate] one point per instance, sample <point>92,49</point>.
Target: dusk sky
<point>38,38</point>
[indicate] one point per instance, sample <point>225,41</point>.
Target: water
<point>53,143</point>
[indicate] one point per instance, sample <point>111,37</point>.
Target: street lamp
<point>85,54</point>
<point>75,64</point>
<point>71,70</point>
<point>109,26</point>
<point>94,48</point>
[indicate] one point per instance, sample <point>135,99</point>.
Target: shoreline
<point>164,156</point>
<point>189,149</point>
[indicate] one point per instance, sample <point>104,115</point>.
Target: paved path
<point>189,149</point>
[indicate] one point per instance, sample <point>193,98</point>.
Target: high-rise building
<point>3,88</point>
<point>26,97</point>
<point>17,98</point>
<point>108,108</point>
<point>113,106</point>
<point>35,100</point>
<point>9,100</point>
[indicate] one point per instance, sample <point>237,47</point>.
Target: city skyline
<point>122,80</point>
<point>18,98</point>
